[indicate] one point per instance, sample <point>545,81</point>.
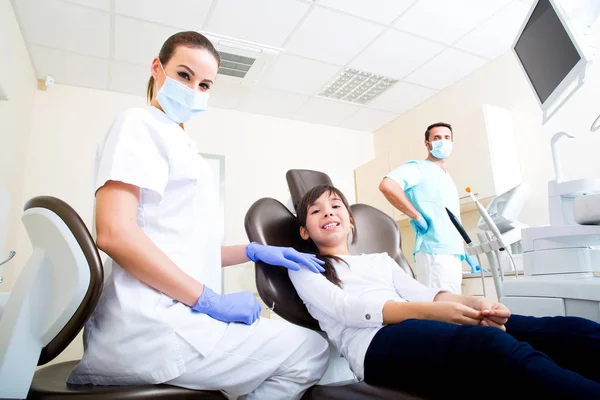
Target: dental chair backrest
<point>55,293</point>
<point>269,222</point>
<point>301,181</point>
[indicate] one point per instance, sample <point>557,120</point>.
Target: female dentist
<point>159,319</point>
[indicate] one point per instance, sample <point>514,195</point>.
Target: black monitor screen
<point>545,50</point>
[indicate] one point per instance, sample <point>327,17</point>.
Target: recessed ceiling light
<point>354,86</point>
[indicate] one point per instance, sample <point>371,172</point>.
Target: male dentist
<point>423,189</point>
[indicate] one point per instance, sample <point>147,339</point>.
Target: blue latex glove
<point>283,256</point>
<point>235,307</point>
<point>473,264</point>
<point>421,225</point>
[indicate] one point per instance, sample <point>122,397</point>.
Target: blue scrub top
<point>431,190</point>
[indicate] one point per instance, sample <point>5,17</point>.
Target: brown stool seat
<point>50,383</point>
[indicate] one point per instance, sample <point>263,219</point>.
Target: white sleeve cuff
<point>372,314</point>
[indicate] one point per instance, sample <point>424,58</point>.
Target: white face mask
<point>179,102</point>
<point>441,148</point>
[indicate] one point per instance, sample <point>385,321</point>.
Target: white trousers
<point>277,360</point>
<point>440,271</point>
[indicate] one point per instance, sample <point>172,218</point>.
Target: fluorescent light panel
<point>355,86</point>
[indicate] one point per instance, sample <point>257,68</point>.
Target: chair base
<point>355,391</point>
<point>51,383</point>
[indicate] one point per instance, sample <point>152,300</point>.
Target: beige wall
<point>503,84</point>
<point>17,77</point>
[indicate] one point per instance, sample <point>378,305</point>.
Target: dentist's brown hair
<point>190,39</point>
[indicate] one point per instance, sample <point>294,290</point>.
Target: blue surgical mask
<point>441,148</point>
<point>179,102</point>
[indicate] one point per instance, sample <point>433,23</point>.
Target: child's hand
<point>453,312</point>
<point>494,314</point>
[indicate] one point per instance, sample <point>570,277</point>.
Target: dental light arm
<point>493,228</point>
<point>555,158</point>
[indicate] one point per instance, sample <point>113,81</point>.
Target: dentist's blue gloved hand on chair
<point>284,256</point>
<point>473,264</point>
<point>234,307</point>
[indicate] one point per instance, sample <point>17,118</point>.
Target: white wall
<point>68,122</point>
<point>503,84</point>
<point>17,77</point>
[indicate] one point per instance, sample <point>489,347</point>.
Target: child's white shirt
<point>352,315</point>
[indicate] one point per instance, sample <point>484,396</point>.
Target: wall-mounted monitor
<point>554,54</point>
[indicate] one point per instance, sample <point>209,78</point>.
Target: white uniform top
<point>352,315</point>
<point>134,334</point>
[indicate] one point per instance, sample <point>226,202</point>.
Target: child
<point>396,332</point>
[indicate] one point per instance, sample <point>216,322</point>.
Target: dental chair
<point>53,297</point>
<point>269,222</point>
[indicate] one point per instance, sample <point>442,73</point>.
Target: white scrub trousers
<point>440,271</point>
<point>276,360</point>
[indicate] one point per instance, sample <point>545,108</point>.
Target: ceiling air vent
<point>234,65</point>
<point>354,86</point>
<point>241,62</point>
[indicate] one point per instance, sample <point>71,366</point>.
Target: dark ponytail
<point>188,39</point>
<point>310,247</point>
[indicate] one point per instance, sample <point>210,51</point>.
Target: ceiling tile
<point>368,120</point>
<point>446,21</point>
<point>496,35</point>
<point>331,36</point>
<point>262,21</point>
<point>325,112</point>
<point>225,94</point>
<point>103,5</point>
<point>70,69</point>
<point>139,42</point>
<point>445,69</point>
<point>401,97</point>
<point>382,11</point>
<point>396,54</point>
<point>129,78</point>
<point>65,26</point>
<point>184,14</point>
<point>298,75</point>
<point>272,102</point>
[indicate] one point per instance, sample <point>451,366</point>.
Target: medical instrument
<point>10,256</point>
<point>497,235</point>
<point>458,226</point>
<point>461,230</point>
<point>266,308</point>
<point>596,124</point>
